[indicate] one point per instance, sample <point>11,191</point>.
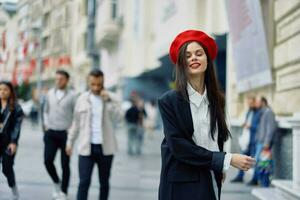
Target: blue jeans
<point>135,139</point>
<point>258,150</point>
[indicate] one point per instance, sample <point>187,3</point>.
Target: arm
<point>113,105</point>
<point>270,128</point>
<point>45,113</point>
<point>181,148</point>
<point>74,130</point>
<point>17,122</point>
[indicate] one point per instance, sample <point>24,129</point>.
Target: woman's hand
<point>242,162</point>
<point>12,148</point>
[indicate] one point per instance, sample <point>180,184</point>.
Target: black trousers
<point>7,163</point>
<point>55,140</point>
<point>86,164</point>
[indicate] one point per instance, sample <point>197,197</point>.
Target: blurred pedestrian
<point>42,101</point>
<point>265,132</point>
<point>11,116</point>
<point>195,129</point>
<point>135,117</point>
<point>96,111</point>
<point>245,145</point>
<point>151,121</point>
<point>58,114</point>
<point>34,112</point>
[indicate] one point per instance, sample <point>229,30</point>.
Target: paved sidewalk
<point>133,178</point>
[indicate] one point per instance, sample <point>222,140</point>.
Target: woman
<point>11,116</point>
<point>193,161</point>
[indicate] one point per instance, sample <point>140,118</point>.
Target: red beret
<point>193,35</point>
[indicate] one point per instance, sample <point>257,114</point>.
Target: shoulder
<point>51,91</point>
<point>83,96</point>
<point>168,101</point>
<point>269,112</point>
<point>168,96</point>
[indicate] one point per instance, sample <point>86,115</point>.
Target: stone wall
<point>282,27</point>
<point>287,56</point>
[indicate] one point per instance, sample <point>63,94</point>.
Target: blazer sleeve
<point>270,127</point>
<point>114,108</point>
<point>181,148</point>
<point>74,129</point>
<point>17,122</point>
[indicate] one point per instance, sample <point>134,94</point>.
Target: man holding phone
<point>95,113</point>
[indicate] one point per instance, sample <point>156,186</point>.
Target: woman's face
<point>4,91</point>
<point>196,59</point>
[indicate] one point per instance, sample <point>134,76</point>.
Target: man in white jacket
<point>95,113</point>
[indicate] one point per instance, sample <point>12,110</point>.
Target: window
<point>46,20</point>
<point>46,42</point>
<point>114,8</point>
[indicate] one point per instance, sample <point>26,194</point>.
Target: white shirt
<point>96,126</point>
<point>59,94</point>
<point>201,121</point>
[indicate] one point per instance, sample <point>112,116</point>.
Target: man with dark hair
<point>63,73</point>
<point>58,114</point>
<point>96,73</point>
<point>95,114</point>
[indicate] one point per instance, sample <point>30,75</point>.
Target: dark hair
<point>264,100</point>
<point>64,73</point>
<point>12,100</point>
<point>215,95</point>
<point>96,73</point>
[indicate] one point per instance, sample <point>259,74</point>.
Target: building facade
<point>281,26</point>
<point>134,36</point>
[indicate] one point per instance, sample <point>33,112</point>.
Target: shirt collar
<point>195,97</point>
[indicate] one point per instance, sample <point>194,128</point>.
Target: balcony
<point>108,33</point>
<point>109,23</point>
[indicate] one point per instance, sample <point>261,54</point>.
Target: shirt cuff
<point>227,161</point>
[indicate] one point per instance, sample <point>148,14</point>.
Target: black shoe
<point>237,180</point>
<point>252,183</point>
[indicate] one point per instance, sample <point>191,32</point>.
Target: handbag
<point>244,139</point>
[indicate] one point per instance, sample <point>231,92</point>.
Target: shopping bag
<point>265,168</point>
<point>244,139</point>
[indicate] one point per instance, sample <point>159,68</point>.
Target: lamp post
<point>91,47</point>
<point>37,30</point>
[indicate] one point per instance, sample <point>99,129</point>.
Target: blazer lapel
<point>186,120</point>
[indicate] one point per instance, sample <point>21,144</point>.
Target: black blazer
<point>185,172</point>
<point>12,121</point>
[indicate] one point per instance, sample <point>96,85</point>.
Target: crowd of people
<point>194,123</point>
<point>65,117</point>
<point>258,135</point>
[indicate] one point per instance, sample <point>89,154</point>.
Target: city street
<point>133,178</point>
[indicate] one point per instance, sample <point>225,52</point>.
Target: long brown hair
<point>12,100</point>
<point>215,95</point>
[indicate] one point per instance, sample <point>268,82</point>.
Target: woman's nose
<point>194,57</point>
